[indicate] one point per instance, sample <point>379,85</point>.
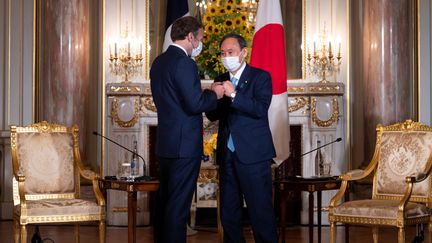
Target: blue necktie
<point>230,143</point>
<point>234,81</point>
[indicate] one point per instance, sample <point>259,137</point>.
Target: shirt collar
<point>181,47</point>
<point>239,72</point>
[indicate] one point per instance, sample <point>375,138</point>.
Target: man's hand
<point>218,88</point>
<point>229,88</point>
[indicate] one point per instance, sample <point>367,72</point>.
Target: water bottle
<point>319,161</point>
<point>134,163</point>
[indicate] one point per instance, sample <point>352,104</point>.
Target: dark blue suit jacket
<point>180,102</point>
<point>246,118</point>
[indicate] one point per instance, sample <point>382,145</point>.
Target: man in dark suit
<point>245,146</point>
<point>180,102</point>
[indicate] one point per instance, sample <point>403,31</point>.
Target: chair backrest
<point>45,154</point>
<point>403,149</point>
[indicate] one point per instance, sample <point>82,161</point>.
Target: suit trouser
<point>254,182</point>
<point>178,179</point>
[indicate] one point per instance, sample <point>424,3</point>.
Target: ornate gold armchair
<point>401,193</point>
<point>46,179</point>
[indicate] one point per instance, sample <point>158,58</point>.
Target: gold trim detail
<point>62,218</point>
<point>296,89</point>
<point>334,117</point>
<point>149,104</point>
<point>116,118</point>
<point>125,89</point>
<point>123,209</point>
<point>336,88</point>
<point>208,175</point>
<point>300,102</point>
<point>115,185</point>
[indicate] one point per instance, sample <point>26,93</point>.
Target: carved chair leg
<point>375,234</point>
<point>332,232</point>
<point>23,234</point>
<point>16,230</point>
<point>401,235</point>
<point>77,233</point>
<point>102,234</point>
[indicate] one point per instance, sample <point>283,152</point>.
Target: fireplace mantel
<point>319,108</point>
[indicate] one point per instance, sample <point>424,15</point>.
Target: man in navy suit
<point>245,146</point>
<point>180,102</point>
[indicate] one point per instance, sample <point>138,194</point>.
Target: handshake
<point>223,88</point>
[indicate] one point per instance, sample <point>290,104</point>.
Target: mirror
<point>293,18</point>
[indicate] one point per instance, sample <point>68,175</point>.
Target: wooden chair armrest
<point>89,174</point>
<point>410,180</point>
<point>354,175</point>
<point>94,178</point>
<point>21,190</point>
<point>98,192</point>
<point>339,194</point>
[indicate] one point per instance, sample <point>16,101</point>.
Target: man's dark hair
<point>242,42</point>
<point>183,26</point>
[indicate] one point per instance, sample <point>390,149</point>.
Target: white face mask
<point>196,51</point>
<point>231,63</point>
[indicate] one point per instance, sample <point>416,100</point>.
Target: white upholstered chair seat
<point>383,209</point>
<point>59,207</point>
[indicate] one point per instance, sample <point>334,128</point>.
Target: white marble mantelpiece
<point>319,108</point>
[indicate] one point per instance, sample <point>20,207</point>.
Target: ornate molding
<point>149,104</point>
<point>407,125</point>
<point>300,102</point>
<point>125,89</point>
<point>296,89</point>
<point>335,88</point>
<point>116,118</point>
<point>208,175</point>
<point>333,119</point>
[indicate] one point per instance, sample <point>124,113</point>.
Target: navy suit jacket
<point>180,102</point>
<point>246,117</point>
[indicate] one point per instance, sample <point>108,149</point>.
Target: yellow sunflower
<point>228,23</point>
<point>209,28</point>
<point>216,30</point>
<point>229,8</point>
<point>238,22</point>
<point>207,18</point>
<point>212,10</point>
<point>221,11</point>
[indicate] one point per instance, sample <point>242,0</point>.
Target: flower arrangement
<point>221,17</point>
<point>210,145</point>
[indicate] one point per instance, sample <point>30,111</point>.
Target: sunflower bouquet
<point>221,17</point>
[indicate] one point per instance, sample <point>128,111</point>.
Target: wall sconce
<point>323,62</point>
<point>127,60</point>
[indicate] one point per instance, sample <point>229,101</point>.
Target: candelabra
<point>323,62</point>
<point>126,62</point>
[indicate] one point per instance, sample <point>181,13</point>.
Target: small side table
<point>131,187</point>
<point>311,185</point>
